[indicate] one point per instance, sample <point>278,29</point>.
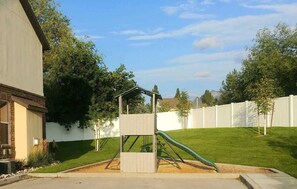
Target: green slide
<point>186,149</point>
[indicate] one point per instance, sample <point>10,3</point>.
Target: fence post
<point>232,110</point>
<point>203,115</point>
<point>291,110</point>
<point>246,113</point>
<point>216,111</point>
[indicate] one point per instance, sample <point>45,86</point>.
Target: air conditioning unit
<point>7,166</point>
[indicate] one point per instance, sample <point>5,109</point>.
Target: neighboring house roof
<point>137,91</point>
<point>172,102</point>
<point>31,16</point>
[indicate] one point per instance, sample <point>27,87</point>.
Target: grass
<point>222,145</point>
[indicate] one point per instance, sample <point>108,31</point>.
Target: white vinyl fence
<point>242,114</point>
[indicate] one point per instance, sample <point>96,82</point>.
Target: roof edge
<point>35,24</point>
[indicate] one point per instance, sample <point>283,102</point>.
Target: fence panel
<point>281,115</point>
<point>209,117</point>
<point>242,114</point>
<point>239,114</point>
<point>224,115</point>
<point>197,118</point>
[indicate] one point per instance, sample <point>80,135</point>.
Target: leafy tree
<point>104,107</point>
<point>207,98</point>
<point>184,106</point>
<point>177,93</point>
<point>72,98</point>
<point>231,90</point>
<point>273,56</point>
<point>76,61</point>
<point>164,107</point>
<point>263,95</point>
<point>155,89</point>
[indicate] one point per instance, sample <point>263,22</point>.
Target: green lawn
<point>225,145</point>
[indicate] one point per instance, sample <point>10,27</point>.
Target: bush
<point>53,148</point>
<point>40,156</point>
<point>19,165</point>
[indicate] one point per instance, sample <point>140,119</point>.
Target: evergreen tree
<point>177,93</point>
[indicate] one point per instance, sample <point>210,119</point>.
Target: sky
<point>187,44</point>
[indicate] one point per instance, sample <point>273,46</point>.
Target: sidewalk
<point>277,180</point>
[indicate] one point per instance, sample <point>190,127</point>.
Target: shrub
<point>53,148</point>
<point>40,156</point>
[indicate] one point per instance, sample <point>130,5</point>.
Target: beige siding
<point>28,125</point>
<point>34,129</point>
<point>21,137</point>
<point>20,49</point>
<point>137,124</point>
<point>138,162</point>
<point>128,162</point>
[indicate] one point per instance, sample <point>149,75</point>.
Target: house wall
<point>34,130</point>
<point>28,125</point>
<point>20,49</point>
<point>21,137</point>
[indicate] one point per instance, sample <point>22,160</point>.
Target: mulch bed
<point>168,166</point>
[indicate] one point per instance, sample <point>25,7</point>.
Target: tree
<point>231,90</point>
<point>76,61</point>
<point>66,105</point>
<point>263,95</point>
<point>155,89</point>
<point>273,56</point>
<point>177,93</point>
<point>104,108</point>
<point>164,107</point>
<point>71,63</point>
<point>184,106</point>
<point>207,98</point>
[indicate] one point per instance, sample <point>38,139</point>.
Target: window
<point>4,122</point>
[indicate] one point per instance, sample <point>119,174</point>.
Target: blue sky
<point>187,44</point>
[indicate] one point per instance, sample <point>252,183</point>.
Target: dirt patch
<point>168,166</point>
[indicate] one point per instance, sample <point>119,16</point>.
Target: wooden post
<point>154,103</point>
<point>120,112</point>
<point>120,105</point>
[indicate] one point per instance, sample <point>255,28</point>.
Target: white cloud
<point>94,37</point>
<point>185,6</point>
<point>142,44</point>
<point>207,2</point>
<point>191,15</point>
<point>89,37</point>
<point>170,10</point>
<point>233,57</point>
<point>131,32</point>
<point>208,42</point>
<point>193,67</point>
<point>202,75</point>
<point>138,32</point>
<point>231,31</point>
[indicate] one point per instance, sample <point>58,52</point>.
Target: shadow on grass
<point>288,144</point>
<point>251,130</point>
<point>103,142</point>
<point>73,149</point>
